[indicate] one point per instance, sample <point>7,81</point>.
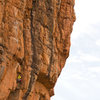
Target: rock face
<point>34,44</point>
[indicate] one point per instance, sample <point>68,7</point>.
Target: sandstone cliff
<point>34,44</point>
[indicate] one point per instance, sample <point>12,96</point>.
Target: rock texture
<point>34,43</point>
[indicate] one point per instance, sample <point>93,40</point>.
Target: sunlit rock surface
<point>34,44</point>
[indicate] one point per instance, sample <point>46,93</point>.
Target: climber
<point>19,79</point>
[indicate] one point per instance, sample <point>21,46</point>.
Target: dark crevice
<point>19,60</point>
<point>13,94</point>
<point>3,46</point>
<point>52,48</point>
<point>34,67</point>
<point>51,61</point>
<point>32,80</point>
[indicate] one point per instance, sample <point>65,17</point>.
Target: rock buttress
<point>34,44</point>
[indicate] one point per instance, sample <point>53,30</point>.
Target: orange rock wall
<point>34,43</point>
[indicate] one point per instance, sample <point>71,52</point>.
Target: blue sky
<point>80,78</point>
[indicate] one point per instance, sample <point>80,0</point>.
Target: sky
<point>80,78</point>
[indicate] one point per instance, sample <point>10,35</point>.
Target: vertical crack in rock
<point>32,80</point>
<point>1,72</point>
<point>50,8</point>
<point>51,58</point>
<point>35,70</point>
